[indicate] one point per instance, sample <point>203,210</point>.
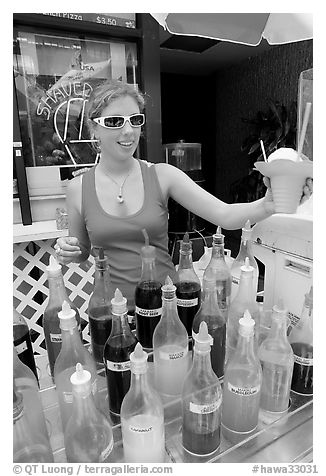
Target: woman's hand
<point>67,249</point>
<point>268,199</point>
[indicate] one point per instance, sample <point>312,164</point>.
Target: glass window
<point>54,77</point>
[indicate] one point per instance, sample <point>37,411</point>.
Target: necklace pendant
<point>120,199</point>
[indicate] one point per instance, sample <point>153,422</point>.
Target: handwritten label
<point>302,360</point>
<point>21,347</point>
<point>56,338</point>
<point>187,302</point>
<point>137,429</point>
<point>149,312</point>
<point>235,280</point>
<point>243,391</point>
<point>118,366</point>
<point>205,409</point>
<point>173,355</point>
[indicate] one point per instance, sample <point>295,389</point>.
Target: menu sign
<point>127,20</point>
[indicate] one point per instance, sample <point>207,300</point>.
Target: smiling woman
<point>113,202</point>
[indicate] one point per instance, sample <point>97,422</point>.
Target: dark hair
<point>105,93</point>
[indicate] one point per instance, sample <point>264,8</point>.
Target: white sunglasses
<point>116,122</point>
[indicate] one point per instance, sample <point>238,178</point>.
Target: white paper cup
<point>287,182</point>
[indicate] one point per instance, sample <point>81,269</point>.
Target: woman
<point>110,204</point>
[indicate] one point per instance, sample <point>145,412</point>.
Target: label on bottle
<point>67,396</point>
<point>302,360</point>
<point>149,312</point>
<point>187,302</point>
<point>56,338</point>
<point>243,391</point>
<point>235,280</point>
<point>205,409</point>
<point>173,355</point>
<point>21,347</point>
<point>137,429</point>
<point>105,453</point>
<point>294,319</point>
<point>118,366</point>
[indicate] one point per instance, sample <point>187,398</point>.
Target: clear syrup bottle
<point>170,345</point>
<point>142,416</point>
<point>188,286</point>
<point>22,341</point>
<point>245,251</point>
<point>244,300</point>
<point>148,298</point>
<point>301,340</point>
<point>99,314</point>
<point>242,385</point>
<point>210,313</point>
<point>222,273</point>
<point>88,436</point>
<point>57,295</point>
<point>117,350</point>
<point>201,400</point>
<point>29,443</point>
<point>276,358</point>
<point>72,352</point>
<point>26,383</point>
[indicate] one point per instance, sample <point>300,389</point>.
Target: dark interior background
<point>208,109</point>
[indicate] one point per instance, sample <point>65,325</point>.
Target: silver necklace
<point>120,198</point>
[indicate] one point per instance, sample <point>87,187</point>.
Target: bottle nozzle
<point>168,289</point>
<point>203,340</point>
<point>145,236</point>
<point>309,297</point>
<point>246,231</point>
<point>186,237</point>
<point>119,303</point>
<point>80,379</point>
<point>246,267</point>
<point>218,230</point>
<point>138,360</point>
<point>54,267</point>
<point>247,324</point>
<point>67,317</point>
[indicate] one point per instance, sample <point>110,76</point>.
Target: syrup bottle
<point>245,251</point>
<point>242,385</point>
<point>142,416</point>
<point>188,286</point>
<point>201,400</point>
<point>148,298</point>
<point>29,443</point>
<point>210,313</point>
<point>26,384</point>
<point>117,350</point>
<point>244,300</point>
<point>276,358</point>
<point>57,295</point>
<point>88,436</point>
<point>22,341</point>
<point>301,340</point>
<point>222,273</point>
<point>99,315</point>
<point>170,344</point>
<point>72,352</point>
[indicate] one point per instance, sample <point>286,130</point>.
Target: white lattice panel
<point>30,288</point>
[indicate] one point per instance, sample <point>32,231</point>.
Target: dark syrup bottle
<point>148,299</point>
<point>117,350</point>
<point>22,342</point>
<point>301,340</point>
<point>188,286</point>
<point>99,315</point>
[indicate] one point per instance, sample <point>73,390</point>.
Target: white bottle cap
<point>54,267</point>
<point>119,303</point>
<point>246,268</point>
<point>81,380</point>
<point>203,340</point>
<point>138,360</point>
<point>67,317</point>
<point>247,324</point>
<point>246,231</point>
